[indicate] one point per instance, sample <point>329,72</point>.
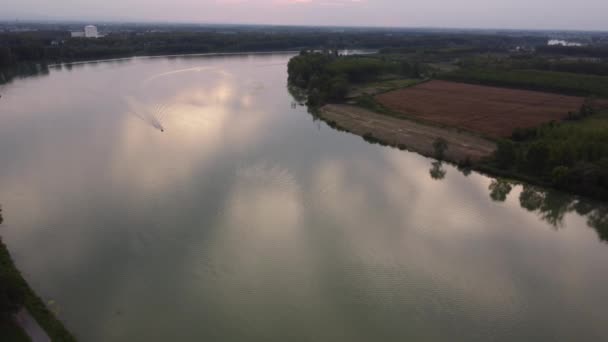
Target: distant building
<point>90,31</point>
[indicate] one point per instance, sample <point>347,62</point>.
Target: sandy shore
<point>407,134</point>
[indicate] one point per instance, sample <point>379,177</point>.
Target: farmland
<point>495,112</point>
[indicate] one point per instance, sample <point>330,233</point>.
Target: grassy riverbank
<point>18,291</point>
<point>463,148</point>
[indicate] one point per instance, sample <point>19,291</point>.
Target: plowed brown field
<point>489,110</point>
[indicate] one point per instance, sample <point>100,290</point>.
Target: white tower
<point>90,31</point>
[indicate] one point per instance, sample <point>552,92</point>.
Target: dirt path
<point>31,327</point>
<point>407,134</point>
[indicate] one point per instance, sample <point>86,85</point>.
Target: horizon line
<point>193,23</point>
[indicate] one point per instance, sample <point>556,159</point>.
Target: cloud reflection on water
<point>247,217</point>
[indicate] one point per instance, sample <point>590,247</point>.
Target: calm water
<point>192,199</point>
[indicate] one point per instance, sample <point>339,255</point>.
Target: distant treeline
<point>535,61</point>
<point>568,83</point>
<point>57,45</point>
<point>464,43</point>
<point>598,51</point>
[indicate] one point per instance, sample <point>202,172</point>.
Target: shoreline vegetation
<point>569,153</point>
<point>16,294</point>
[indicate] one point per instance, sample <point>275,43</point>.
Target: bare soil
<point>406,133</point>
<point>492,111</point>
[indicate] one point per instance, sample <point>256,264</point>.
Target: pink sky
<point>540,14</point>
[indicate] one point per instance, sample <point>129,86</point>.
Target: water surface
<point>193,199</point>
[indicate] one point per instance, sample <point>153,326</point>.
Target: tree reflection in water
<point>437,171</point>
<point>552,206</point>
<point>500,189</point>
<point>465,170</point>
<point>25,70</point>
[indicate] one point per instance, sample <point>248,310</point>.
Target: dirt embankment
<point>407,134</point>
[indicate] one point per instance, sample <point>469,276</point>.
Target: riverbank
<point>546,135</point>
<point>463,147</point>
<point>34,304</point>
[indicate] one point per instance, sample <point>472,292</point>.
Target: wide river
<point>193,199</point>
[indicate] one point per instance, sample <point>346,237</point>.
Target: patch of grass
<point>369,102</point>
<point>44,317</point>
<point>379,87</point>
<point>395,84</point>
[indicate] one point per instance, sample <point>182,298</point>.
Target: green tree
<point>440,145</point>
<point>537,157</point>
<point>505,154</point>
<point>338,88</point>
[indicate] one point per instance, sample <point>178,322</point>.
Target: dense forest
<point>553,81</point>
<point>536,61</point>
<point>57,45</point>
<point>597,51</point>
<point>534,71</point>
<point>570,155</point>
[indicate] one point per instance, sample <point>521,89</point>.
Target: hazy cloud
<point>535,14</point>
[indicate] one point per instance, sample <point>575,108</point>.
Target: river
<point>194,199</point>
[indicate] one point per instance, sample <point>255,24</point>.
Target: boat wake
<point>151,115</point>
